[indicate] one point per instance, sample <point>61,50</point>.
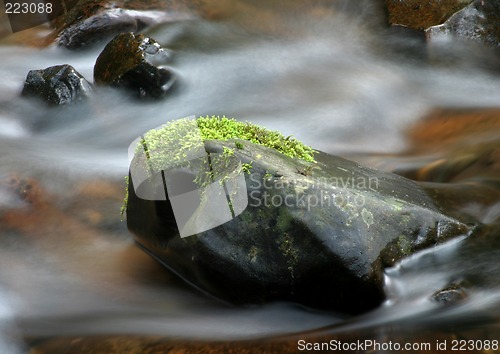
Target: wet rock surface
<point>420,14</point>
<point>131,62</point>
<point>326,246</point>
<point>471,19</point>
<point>450,296</point>
<point>57,85</point>
<point>477,21</point>
<point>91,21</point>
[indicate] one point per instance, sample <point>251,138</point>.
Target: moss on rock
<point>216,128</point>
<point>171,144</point>
<point>181,136</point>
<point>318,239</point>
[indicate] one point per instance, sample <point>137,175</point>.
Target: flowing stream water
<point>335,78</point>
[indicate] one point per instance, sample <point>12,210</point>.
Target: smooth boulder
<point>317,233</point>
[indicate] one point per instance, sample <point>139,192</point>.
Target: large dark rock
<point>315,233</point>
<point>131,61</point>
<point>56,85</point>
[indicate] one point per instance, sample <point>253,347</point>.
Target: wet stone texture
<point>325,247</point>
<point>419,14</point>
<point>478,21</point>
<point>450,296</point>
<point>56,85</point>
<point>472,19</point>
<point>131,62</point>
<point>91,21</point>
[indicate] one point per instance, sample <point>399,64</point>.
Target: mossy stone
<point>329,255</point>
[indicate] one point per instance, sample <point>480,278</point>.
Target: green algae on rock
<point>320,238</point>
<point>179,136</point>
<point>176,139</point>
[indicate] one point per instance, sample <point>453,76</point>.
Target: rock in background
<point>478,21</point>
<point>472,19</point>
<point>91,21</point>
<point>131,62</point>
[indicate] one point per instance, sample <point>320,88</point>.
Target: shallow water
<point>339,81</point>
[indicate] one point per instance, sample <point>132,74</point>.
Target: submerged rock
<point>131,61</point>
<point>56,85</point>
<point>454,154</point>
<point>318,233</point>
<point>450,295</point>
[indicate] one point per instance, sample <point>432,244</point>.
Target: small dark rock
<point>450,296</point>
<point>130,61</point>
<point>56,85</point>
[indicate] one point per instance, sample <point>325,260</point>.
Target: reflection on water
<point>341,84</point>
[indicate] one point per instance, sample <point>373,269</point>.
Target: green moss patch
<point>216,128</point>
<point>176,138</point>
<point>170,144</point>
